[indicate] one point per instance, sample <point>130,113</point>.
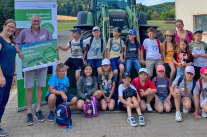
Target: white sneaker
<point>178,116</point>
<point>185,111</point>
<point>203,114</point>
<point>149,108</point>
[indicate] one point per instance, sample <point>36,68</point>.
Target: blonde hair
<point>103,74</point>
<point>59,66</point>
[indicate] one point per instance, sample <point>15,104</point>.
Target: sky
<point>153,2</point>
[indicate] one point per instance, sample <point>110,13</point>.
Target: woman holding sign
<point>7,65</point>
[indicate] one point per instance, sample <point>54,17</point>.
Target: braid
<point>185,88</point>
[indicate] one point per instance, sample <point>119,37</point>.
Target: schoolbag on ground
<point>63,116</point>
<point>91,109</point>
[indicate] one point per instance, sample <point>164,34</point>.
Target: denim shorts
<point>95,63</point>
<point>115,62</point>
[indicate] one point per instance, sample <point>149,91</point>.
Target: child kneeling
<point>129,99</point>
<point>58,87</point>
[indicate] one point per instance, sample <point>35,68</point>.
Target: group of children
<point>119,56</point>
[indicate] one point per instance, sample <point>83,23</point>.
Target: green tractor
<point>108,14</point>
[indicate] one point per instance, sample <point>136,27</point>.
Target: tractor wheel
<point>86,34</point>
<point>159,36</point>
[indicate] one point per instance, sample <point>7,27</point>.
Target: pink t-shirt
<point>177,38</point>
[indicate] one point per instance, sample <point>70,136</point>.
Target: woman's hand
<point>14,81</point>
<point>2,81</point>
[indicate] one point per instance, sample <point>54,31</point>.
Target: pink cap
<point>203,70</point>
<point>160,67</point>
<point>190,69</point>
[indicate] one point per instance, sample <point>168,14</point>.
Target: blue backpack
<point>63,116</point>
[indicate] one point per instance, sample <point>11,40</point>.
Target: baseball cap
<point>197,31</point>
<point>96,28</point>
<point>117,29</point>
<point>143,70</point>
<point>190,69</point>
<point>126,74</point>
<point>132,31</point>
<point>160,67</point>
<point>76,30</point>
<point>105,62</point>
<point>203,70</point>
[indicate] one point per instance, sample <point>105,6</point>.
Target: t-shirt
<point>177,38</point>
<point>115,48</point>
<point>58,84</point>
<point>76,50</point>
<point>162,86</point>
<point>95,48</point>
<point>122,88</point>
<point>181,86</point>
<point>148,84</point>
<point>203,95</point>
<point>198,48</point>
<point>132,49</point>
<point>183,57</point>
<point>169,52</point>
<point>106,83</point>
<point>151,48</point>
<point>88,84</point>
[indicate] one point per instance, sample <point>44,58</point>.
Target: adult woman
<point>7,65</point>
<point>181,32</point>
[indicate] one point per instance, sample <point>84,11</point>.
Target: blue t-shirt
<point>7,57</point>
<point>58,84</point>
<point>132,50</point>
<point>162,87</point>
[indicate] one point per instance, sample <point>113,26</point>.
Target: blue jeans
<point>130,62</point>
<point>180,71</point>
<point>95,63</point>
<point>4,95</point>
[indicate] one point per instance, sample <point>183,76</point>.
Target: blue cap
<point>76,30</point>
<point>132,31</point>
<point>126,74</point>
<point>197,31</point>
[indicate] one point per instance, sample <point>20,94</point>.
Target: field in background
<point>162,24</point>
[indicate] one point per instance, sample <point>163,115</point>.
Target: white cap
<point>106,62</point>
<point>96,28</point>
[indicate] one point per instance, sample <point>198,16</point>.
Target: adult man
<point>32,35</point>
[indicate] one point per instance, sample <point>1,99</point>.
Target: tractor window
<point>114,4</point>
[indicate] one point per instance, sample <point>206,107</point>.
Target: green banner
<point>26,14</point>
<point>38,55</point>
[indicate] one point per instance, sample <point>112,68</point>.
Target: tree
<point>148,15</point>
<point>155,15</point>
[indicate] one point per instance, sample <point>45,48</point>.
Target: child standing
<point>199,52</point>
<point>58,91</point>
<point>202,86</point>
<point>75,60</point>
<point>145,88</point>
<point>132,52</point>
<point>152,48</point>
<point>87,87</point>
<point>162,96</point>
<point>115,50</point>
<point>168,49</point>
<point>182,57</point>
<point>129,99</point>
<point>95,49</point>
<point>107,81</point>
<point>183,91</point>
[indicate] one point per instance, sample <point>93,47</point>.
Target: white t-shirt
<point>76,50</point>
<point>122,88</point>
<point>152,49</point>
<point>203,95</point>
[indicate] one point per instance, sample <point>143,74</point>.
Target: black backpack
<point>89,45</point>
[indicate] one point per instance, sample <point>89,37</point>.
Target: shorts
<point>74,63</point>
<point>112,97</point>
<point>151,63</point>
<point>162,99</point>
<point>203,102</point>
<point>95,63</point>
<point>121,106</point>
<point>115,63</point>
<point>40,74</point>
<point>59,99</point>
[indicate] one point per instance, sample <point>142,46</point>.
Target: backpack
<point>89,45</point>
<point>111,41</point>
<point>187,31</point>
<point>205,46</point>
<point>158,44</point>
<point>129,92</point>
<point>181,79</point>
<point>81,45</point>
<point>91,109</point>
<point>166,79</point>
<point>63,116</point>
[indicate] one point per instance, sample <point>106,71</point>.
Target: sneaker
<point>29,120</point>
<point>178,116</point>
<point>185,111</point>
<point>149,108</point>
<point>39,116</point>
<point>3,133</point>
<point>51,116</point>
<point>132,122</point>
<point>203,114</point>
<point>141,121</point>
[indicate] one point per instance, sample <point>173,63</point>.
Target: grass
<point>161,24</point>
<point>66,25</point>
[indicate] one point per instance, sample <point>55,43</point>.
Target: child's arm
<point>62,48</point>
<point>107,54</point>
<point>142,57</point>
<point>139,56</point>
<point>84,55</point>
<point>148,91</point>
<point>56,92</point>
<point>172,89</point>
<point>80,89</point>
<point>112,89</point>
<point>121,56</point>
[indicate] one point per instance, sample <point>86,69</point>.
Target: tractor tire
<point>159,36</point>
<point>86,34</point>
<point>142,18</point>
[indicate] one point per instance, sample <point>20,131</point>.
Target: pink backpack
<point>91,109</point>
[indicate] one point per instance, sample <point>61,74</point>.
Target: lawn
<point>162,24</point>
<point>66,25</point>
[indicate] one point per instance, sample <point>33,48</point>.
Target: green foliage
<point>149,14</point>
<point>66,25</point>
<point>155,15</point>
